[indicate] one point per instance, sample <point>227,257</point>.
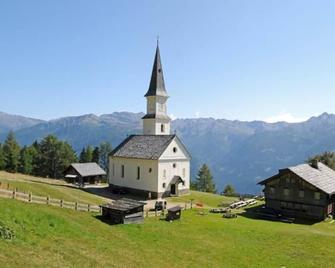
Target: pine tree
<point>54,157</point>
<point>89,154</point>
<point>2,158</point>
<point>82,156</point>
<point>327,158</point>
<point>86,155</point>
<point>26,160</point>
<point>229,190</point>
<point>105,150</point>
<point>204,180</point>
<point>96,155</point>
<point>11,151</point>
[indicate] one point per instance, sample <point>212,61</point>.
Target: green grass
<point>208,199</point>
<point>47,187</point>
<point>53,237</point>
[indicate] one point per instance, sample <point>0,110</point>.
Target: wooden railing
<point>47,200</point>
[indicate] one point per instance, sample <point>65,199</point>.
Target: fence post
<point>100,209</point>
<point>7,185</point>
<point>185,206</point>
<point>75,206</point>
<point>14,194</point>
<point>191,203</point>
<point>155,212</point>
<point>147,213</point>
<point>48,200</point>
<point>88,207</point>
<point>30,197</point>
<point>61,203</point>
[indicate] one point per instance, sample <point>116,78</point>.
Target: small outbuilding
<point>174,213</point>
<point>84,173</point>
<point>123,211</point>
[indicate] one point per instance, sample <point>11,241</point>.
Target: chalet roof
<point>124,204</point>
<point>321,177</point>
<point>157,84</point>
<point>143,146</point>
<point>88,169</point>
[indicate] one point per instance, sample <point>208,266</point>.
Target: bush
<point>6,233</point>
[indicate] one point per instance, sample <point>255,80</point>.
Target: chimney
<point>314,164</point>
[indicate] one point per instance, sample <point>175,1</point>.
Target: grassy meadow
<point>47,236</point>
<point>47,187</point>
<point>207,199</point>
<point>53,237</point>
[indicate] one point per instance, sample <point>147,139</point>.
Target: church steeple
<point>156,121</point>
<point>157,84</point>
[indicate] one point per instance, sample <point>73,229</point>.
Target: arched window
<point>175,149</point>
<point>162,128</point>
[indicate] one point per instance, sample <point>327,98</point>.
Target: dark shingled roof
<point>143,146</point>
<point>88,169</point>
<point>322,177</point>
<point>157,84</point>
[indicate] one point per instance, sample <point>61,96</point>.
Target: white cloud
<point>173,117</point>
<point>286,117</point>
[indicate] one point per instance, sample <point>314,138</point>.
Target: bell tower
<point>156,121</point>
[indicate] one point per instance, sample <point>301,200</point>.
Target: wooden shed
<point>124,211</point>
<point>174,213</point>
<point>84,173</point>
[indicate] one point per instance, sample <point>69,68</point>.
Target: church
<point>155,164</point>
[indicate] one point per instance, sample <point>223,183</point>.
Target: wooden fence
<point>47,200</point>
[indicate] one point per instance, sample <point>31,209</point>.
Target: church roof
<point>157,84</point>
<point>143,146</point>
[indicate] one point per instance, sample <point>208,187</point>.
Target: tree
<point>11,151</point>
<point>26,160</point>
<point>54,157</point>
<point>2,158</point>
<point>229,190</point>
<point>327,158</point>
<point>86,155</point>
<point>96,155</point>
<point>105,150</point>
<point>204,180</point>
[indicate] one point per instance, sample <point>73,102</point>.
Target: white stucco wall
<point>148,180</point>
<point>153,127</point>
<point>181,159</point>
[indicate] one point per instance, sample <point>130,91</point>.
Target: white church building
<point>155,164</point>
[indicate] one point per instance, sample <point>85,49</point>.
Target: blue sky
<point>233,59</point>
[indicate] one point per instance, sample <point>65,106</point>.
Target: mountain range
<point>238,152</point>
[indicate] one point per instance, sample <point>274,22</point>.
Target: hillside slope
<point>53,237</point>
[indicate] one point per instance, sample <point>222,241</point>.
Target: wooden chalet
<point>84,173</point>
<point>303,191</point>
<point>123,211</point>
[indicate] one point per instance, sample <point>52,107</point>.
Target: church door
<point>173,189</point>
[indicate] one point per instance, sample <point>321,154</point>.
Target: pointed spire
<point>157,85</point>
